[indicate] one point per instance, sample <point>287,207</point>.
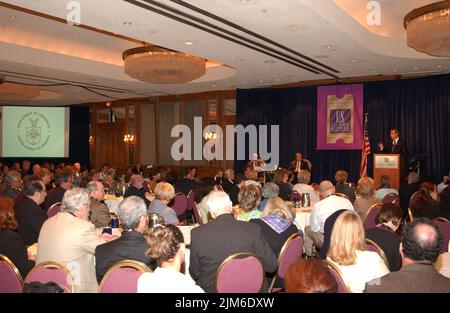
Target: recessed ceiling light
<point>295,27</point>
<point>329,47</point>
<point>213,85</point>
<point>12,17</point>
<point>439,66</point>
<point>244,1</point>
<point>277,79</point>
<point>108,104</point>
<point>188,43</point>
<point>128,23</point>
<point>415,68</point>
<point>353,61</point>
<point>233,57</point>
<point>261,81</point>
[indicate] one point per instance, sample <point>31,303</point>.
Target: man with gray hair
<point>269,190</point>
<point>303,186</point>
<point>70,239</point>
<point>100,216</point>
<point>330,203</point>
<point>132,245</point>
<point>136,188</point>
<point>213,242</point>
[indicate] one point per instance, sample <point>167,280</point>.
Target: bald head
<point>219,203</point>
<point>326,188</point>
<point>421,241</point>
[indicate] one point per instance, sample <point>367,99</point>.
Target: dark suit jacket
<point>133,191</point>
<point>30,218</point>
<point>12,246</point>
<point>227,185</point>
<point>131,245</point>
<point>213,242</point>
<point>405,193</point>
<point>303,165</point>
<point>413,278</point>
<point>234,192</point>
<point>285,191</point>
<point>346,190</point>
<point>184,185</point>
<point>399,148</point>
<point>53,196</point>
<point>390,243</point>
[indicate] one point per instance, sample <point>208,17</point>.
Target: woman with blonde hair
<point>347,252</point>
<point>365,197</point>
<point>168,249</point>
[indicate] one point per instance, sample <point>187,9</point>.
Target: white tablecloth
<point>302,219</point>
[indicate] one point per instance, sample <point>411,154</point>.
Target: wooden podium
<point>387,164</point>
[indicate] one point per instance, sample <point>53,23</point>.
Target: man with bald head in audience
<point>213,242</point>
<point>420,248</point>
<point>329,203</point>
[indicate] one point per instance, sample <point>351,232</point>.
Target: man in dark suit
<point>136,188</point>
<point>131,245</point>
<point>299,164</point>
<point>406,191</point>
<point>187,182</point>
<point>63,182</point>
<point>29,214</point>
<point>396,145</point>
<point>213,242</point>
<point>239,182</point>
<point>420,248</point>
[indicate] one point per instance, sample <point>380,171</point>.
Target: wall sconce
<point>91,140</point>
<point>129,139</point>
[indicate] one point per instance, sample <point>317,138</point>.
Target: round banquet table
<point>302,216</point>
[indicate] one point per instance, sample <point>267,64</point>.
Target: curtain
<point>419,108</point>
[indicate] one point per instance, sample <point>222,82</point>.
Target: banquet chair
<point>179,205</point>
<point>444,226</point>
<point>122,277</point>
<point>10,278</point>
<point>369,221</point>
<point>295,196</point>
<point>54,209</point>
<point>52,272</point>
<point>334,270</point>
<point>391,198</point>
<point>290,252</point>
<point>240,273</point>
<point>371,245</point>
<point>197,215</point>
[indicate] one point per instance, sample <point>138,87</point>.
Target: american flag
<point>365,149</point>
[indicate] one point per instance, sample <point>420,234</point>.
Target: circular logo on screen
<point>33,131</point>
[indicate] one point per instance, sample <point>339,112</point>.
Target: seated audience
<point>329,204</point>
<point>249,198</point>
<point>46,177</point>
<point>13,185</point>
<point>269,190</point>
<point>303,178</point>
<point>11,243</point>
<point>100,216</point>
<point>423,205</point>
<point>70,239</point>
<point>104,172</point>
<point>136,188</point>
<point>219,177</point>
<point>366,197</point>
<point>309,276</point>
<point>26,168</point>
<point>281,179</point>
<point>187,182</point>
<point>252,178</point>
<point>156,176</point>
<point>347,252</point>
<point>406,191</point>
<point>131,245</point>
<point>30,216</point>
<point>385,188</point>
<point>228,180</point>
<point>212,243</point>
<point>444,184</point>
<point>388,220</point>
<point>444,204</point>
<point>420,248</point>
<point>63,182</point>
<point>168,249</point>
<point>239,183</point>
<point>164,192</point>
<point>207,184</point>
<point>341,185</point>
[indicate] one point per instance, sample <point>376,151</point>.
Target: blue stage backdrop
<point>419,108</point>
<point>78,140</point>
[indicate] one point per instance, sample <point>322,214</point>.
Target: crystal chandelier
<point>161,66</point>
<point>129,139</point>
<point>13,92</point>
<point>428,29</point>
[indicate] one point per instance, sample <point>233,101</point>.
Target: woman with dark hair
<point>309,276</point>
<point>384,234</point>
<point>11,243</point>
<point>281,178</point>
<point>423,203</point>
<point>444,204</point>
<point>168,249</point>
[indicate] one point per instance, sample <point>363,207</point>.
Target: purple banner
<point>339,117</point>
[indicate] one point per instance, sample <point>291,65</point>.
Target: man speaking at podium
<point>397,145</point>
